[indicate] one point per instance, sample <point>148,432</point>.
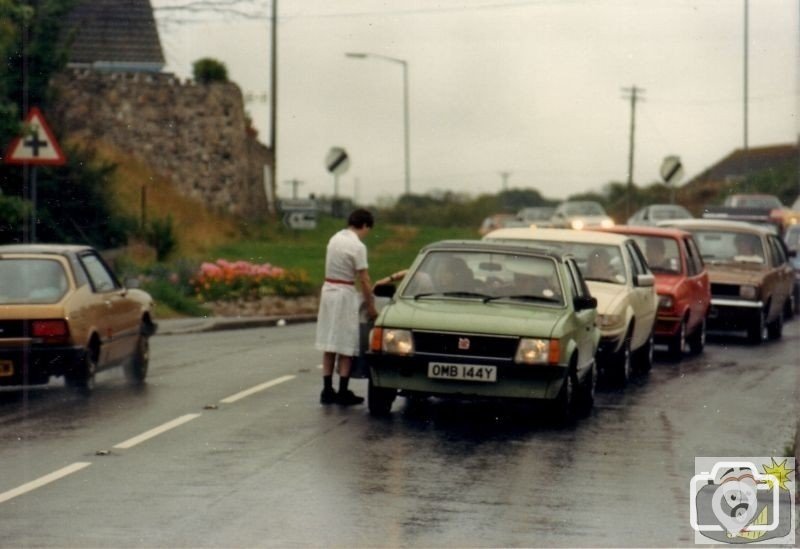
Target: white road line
<point>41,481</point>
<point>156,431</point>
<point>256,389</point>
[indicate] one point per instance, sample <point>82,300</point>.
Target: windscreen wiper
<point>524,297</point>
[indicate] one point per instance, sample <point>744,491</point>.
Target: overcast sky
<point>530,87</point>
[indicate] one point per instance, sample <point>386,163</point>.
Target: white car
<point>580,215</point>
<point>617,274</point>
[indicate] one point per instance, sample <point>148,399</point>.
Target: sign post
<point>337,162</point>
<point>37,146</point>
<point>671,172</point>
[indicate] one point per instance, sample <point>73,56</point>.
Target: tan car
<point>617,274</point>
<point>751,276</point>
<point>64,313</point>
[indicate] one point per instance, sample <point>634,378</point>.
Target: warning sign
<point>36,146</point>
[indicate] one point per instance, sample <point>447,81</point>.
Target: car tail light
<point>50,331</point>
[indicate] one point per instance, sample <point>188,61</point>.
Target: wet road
<point>227,446</point>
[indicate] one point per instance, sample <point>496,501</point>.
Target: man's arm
<point>366,291</point>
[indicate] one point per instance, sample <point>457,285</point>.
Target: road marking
<point>156,431</point>
<point>256,389</point>
<point>41,481</point>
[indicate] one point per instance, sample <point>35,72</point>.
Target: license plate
<point>467,372</point>
<point>6,368</point>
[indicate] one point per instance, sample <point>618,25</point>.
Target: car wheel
<point>677,344</point>
<point>789,307</point>
<point>697,341</point>
<point>622,363</point>
<point>564,405</point>
<point>83,378</point>
<point>756,333</point>
<point>585,400</point>
<point>644,356</point>
<point>136,367</point>
<point>380,399</point>
<point>775,328</point>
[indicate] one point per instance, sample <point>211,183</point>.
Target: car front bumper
<point>733,314</point>
<point>34,364</point>
<point>410,374</point>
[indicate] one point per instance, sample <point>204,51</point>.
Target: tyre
<point>677,343</point>
<point>775,328</point>
<point>83,377</point>
<point>380,399</point>
<point>697,341</point>
<point>621,369</point>
<point>136,367</point>
<point>756,332</point>
<point>564,404</point>
<point>644,356</point>
<point>585,397</point>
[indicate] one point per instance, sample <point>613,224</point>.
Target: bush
<point>160,234</point>
<point>224,280</point>
<point>171,295</point>
<point>209,70</point>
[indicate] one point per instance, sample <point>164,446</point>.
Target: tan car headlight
<point>394,341</point>
<point>608,322</point>
<point>537,351</point>
<point>748,292</point>
<point>577,224</point>
<point>607,223</point>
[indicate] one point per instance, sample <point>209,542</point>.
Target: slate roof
<point>114,34</point>
<point>755,160</point>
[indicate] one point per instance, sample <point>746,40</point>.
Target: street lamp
<point>404,64</point>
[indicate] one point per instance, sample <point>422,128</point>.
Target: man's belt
<point>337,281</point>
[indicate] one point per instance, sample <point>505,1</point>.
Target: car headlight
<point>607,223</point>
<point>577,224</point>
<point>609,321</point>
<point>537,351</point>
<point>665,302</point>
<point>748,292</point>
<point>391,341</point>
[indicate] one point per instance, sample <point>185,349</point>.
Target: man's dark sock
<point>327,382</point>
<point>343,382</point>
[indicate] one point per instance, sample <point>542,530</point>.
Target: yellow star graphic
<point>780,471</point>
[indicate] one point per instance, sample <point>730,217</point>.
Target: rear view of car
<point>63,313</point>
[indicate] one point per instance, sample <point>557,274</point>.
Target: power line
<point>634,94</point>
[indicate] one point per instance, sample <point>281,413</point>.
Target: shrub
<point>160,234</point>
<point>207,70</point>
<point>171,295</point>
<point>224,280</point>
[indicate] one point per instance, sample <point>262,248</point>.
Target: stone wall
<point>195,134</point>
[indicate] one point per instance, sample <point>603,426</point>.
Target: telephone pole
<point>295,184</point>
<point>634,94</point>
<point>505,176</point>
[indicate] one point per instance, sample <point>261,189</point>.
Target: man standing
<point>338,319</point>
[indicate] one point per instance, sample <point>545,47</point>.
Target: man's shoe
<point>328,396</point>
<point>348,398</point>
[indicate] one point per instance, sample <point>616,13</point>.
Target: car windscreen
<point>792,237</point>
<point>597,262</point>
<point>719,246</point>
<point>662,253</point>
<point>487,276</point>
<point>661,214</point>
<point>584,208</point>
<point>32,281</point>
<point>759,202</point>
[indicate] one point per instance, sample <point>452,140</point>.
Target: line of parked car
<point>537,310</point>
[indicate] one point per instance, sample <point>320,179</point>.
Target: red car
<point>684,292</point>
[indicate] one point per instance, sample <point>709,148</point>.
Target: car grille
<point>13,328</point>
<point>454,344</point>
<point>725,290</point>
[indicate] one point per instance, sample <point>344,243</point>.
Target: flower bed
<point>244,281</point>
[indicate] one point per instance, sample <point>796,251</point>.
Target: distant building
<point>114,35</point>
<point>734,167</point>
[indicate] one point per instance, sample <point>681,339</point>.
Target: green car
<point>476,319</point>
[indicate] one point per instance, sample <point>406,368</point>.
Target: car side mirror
<point>792,253</point>
<point>385,290</point>
<point>645,280</point>
<point>583,302</point>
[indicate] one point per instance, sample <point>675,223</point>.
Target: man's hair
<point>360,218</point>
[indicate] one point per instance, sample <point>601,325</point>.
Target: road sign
<point>337,161</point>
<point>300,220</point>
<point>671,170</point>
<point>37,146</point>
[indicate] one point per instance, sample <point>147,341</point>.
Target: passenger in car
<point>599,266</point>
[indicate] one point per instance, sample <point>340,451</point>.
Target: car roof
<point>714,224</point>
<point>491,246</point>
<point>644,231</point>
<point>557,235</point>
<point>60,249</point>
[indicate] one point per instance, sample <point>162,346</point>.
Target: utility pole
<point>746,88</point>
<point>273,130</point>
<point>505,176</point>
<point>295,184</point>
<point>634,94</point>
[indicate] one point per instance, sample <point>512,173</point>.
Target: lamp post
<point>403,63</point>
